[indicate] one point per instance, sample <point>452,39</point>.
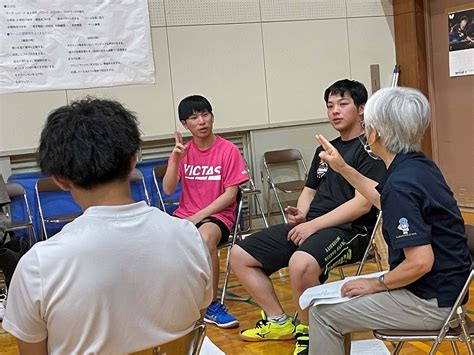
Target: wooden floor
<point>248,313</point>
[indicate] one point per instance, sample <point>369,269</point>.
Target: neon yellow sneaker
<point>266,330</point>
<point>302,340</point>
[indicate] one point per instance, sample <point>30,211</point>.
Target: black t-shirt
<point>419,209</point>
<point>332,189</point>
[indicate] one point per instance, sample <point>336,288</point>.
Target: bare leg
<point>304,273</point>
<point>255,281</point>
<point>211,234</point>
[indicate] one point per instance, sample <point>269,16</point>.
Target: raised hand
<point>179,150</point>
<point>330,154</point>
<point>294,216</point>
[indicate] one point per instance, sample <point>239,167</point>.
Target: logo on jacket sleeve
<point>403,225</point>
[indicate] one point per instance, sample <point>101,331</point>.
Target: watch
<point>381,281</point>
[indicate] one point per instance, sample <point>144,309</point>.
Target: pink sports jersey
<point>205,174</point>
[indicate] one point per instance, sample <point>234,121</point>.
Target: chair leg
<point>236,234</point>
<point>257,200</point>
<point>227,274</point>
<point>347,344</point>
<point>280,205</point>
<point>398,348</point>
<point>455,348</point>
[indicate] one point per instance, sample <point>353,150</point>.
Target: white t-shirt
<point>118,279</point>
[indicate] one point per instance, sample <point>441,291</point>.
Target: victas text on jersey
<point>202,172</point>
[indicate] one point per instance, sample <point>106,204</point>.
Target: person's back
<point>123,276</point>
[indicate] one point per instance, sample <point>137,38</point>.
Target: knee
<point>302,264</point>
<point>236,257</point>
<point>211,246</point>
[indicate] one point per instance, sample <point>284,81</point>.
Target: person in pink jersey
<point>210,169</point>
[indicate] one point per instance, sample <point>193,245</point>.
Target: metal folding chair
<point>189,344</point>
<point>17,191</point>
<point>275,158</point>
<point>250,191</point>
<point>456,328</point>
<point>370,251</point>
<point>158,174</point>
<point>136,177</point>
<point>48,186</point>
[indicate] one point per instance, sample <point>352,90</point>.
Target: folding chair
<point>158,174</point>
<point>189,344</point>
<point>371,250</point>
<point>49,193</point>
<point>137,178</point>
<point>456,328</point>
<point>17,191</point>
<point>275,158</point>
<point>236,235</point>
<point>251,191</point>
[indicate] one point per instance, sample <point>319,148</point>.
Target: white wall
<point>262,63</point>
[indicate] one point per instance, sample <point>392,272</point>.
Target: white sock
<point>279,319</point>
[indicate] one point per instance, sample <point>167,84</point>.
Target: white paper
<point>330,292</point>
<point>369,347</point>
<point>209,348</point>
<point>72,44</point>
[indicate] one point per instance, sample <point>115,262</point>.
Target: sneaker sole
<point>232,324</point>
<point>283,337</point>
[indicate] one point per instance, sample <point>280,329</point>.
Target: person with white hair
<point>422,225</point>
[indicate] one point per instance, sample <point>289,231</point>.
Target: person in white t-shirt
<point>122,277</point>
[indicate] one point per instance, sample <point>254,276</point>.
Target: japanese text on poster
<point>69,44</point>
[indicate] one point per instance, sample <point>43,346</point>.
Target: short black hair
<point>191,105</point>
<point>89,142</point>
<point>353,88</point>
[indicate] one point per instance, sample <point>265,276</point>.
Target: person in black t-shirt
<point>422,225</point>
<point>330,226</point>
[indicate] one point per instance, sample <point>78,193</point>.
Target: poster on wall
<point>461,42</point>
<point>74,44</point>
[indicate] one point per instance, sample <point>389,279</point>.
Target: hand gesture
<point>330,154</point>
<point>179,150</point>
<point>359,287</point>
<point>300,233</point>
<point>294,215</point>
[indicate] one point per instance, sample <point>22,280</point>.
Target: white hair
<point>400,115</point>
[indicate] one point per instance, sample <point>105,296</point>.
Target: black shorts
<point>330,247</point>
<point>225,233</point>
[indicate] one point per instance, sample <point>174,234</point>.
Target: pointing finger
<point>324,142</point>
<point>178,138</point>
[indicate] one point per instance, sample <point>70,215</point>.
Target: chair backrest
<point>136,176</point>
<point>47,184</point>
<point>158,174</point>
<point>372,246</point>
<point>48,193</point>
<point>16,190</point>
<point>284,156</point>
<point>189,344</point>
